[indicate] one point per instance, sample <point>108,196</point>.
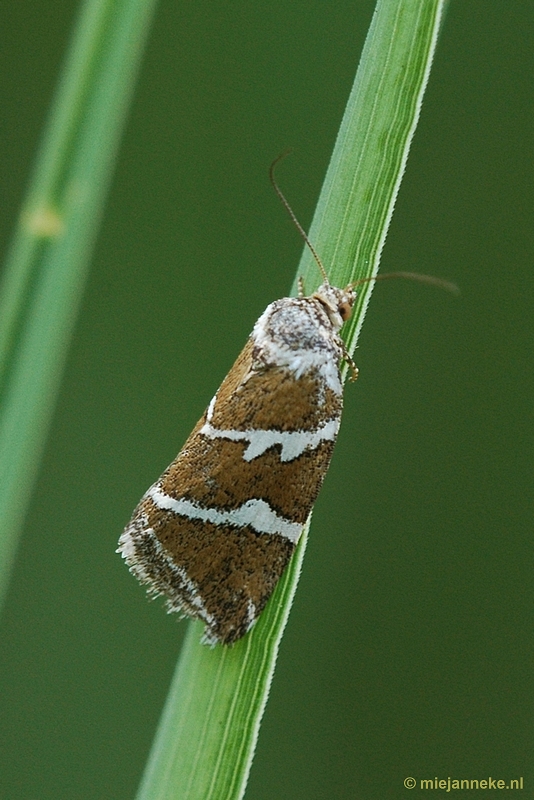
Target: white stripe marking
<point>251,614</point>
<point>256,513</point>
<point>127,546</point>
<point>193,599</point>
<point>294,443</point>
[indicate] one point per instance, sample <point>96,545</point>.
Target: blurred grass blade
<point>45,272</point>
<point>205,743</point>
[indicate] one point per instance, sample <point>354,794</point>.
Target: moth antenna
<point>292,214</point>
<point>412,276</point>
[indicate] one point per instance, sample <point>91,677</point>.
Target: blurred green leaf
<point>46,268</point>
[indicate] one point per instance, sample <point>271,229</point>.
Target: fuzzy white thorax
<point>301,335</point>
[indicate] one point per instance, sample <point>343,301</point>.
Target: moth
<point>217,530</point>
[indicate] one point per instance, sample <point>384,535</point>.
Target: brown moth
<point>216,531</point>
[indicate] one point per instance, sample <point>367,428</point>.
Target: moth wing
<point>216,531</point>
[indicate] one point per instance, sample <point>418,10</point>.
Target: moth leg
<point>348,359</point>
<point>301,287</point>
<point>353,368</point>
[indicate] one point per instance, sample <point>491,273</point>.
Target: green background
<point>409,648</point>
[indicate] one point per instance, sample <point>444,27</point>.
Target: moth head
<point>338,303</point>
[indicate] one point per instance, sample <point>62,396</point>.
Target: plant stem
<point>204,747</point>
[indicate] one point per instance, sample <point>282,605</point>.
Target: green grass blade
<point>361,185</point>
<point>205,743</point>
<point>209,727</point>
<point>45,272</point>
